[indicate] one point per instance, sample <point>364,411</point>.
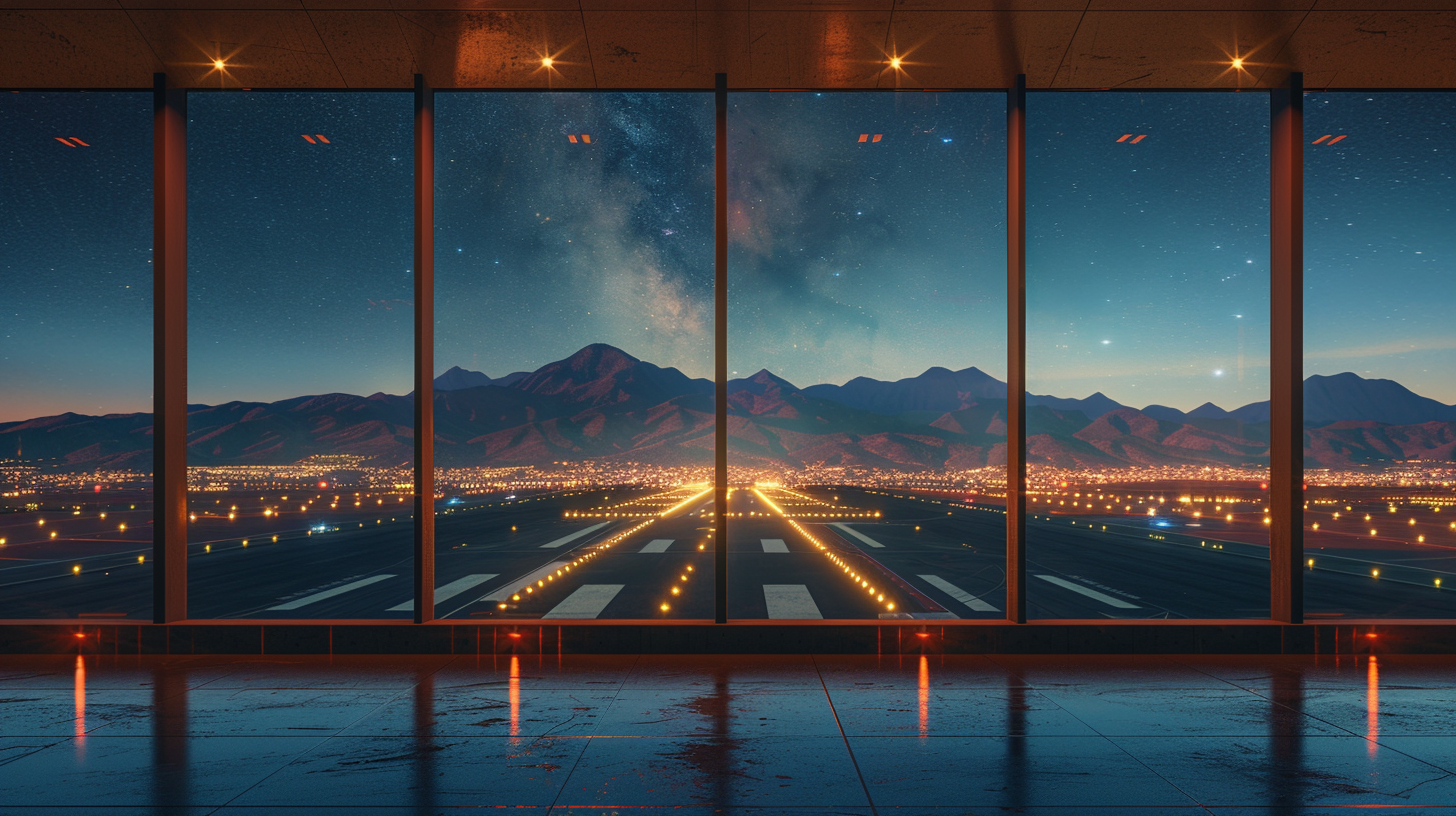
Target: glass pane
<point>300,369</point>
<point>1380,196</point>
<point>867,272</point>
<point>76,355</point>
<point>1147,290</point>
<point>574,351</point>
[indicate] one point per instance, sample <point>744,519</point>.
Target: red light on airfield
<point>1263,485</point>
<point>323,485</point>
<point>98,488</point>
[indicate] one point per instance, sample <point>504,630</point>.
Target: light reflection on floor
<point>848,734</point>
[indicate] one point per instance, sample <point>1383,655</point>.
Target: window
<point>300,430</point>
<point>866,336</point>
<point>1380,193</point>
<point>573,341</point>
<point>1147,282</point>
<point>76,355</point>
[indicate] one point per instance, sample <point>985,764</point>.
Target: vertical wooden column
<point>1016,352</point>
<point>720,353</point>
<point>424,351</point>
<point>1286,350</point>
<point>169,350</point>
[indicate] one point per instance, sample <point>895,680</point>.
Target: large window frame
<point>1286,364</point>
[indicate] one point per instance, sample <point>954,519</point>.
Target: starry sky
<point>544,245</point>
<point>1380,238</point>
<point>876,259</point>
<point>299,253</point>
<point>75,254</point>
<point>1147,263</point>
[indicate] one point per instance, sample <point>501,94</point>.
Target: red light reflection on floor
<point>308,138</point>
<point>1372,703</point>
<point>514,691</point>
<point>80,697</point>
<point>924,694</point>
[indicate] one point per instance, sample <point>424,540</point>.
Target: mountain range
<point>602,403</point>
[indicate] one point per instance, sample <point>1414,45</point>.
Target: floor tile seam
<point>1149,769</point>
<point>321,742</point>
<point>1408,755</point>
<point>587,742</point>
<point>1270,699</point>
<point>38,749</point>
<point>818,670</point>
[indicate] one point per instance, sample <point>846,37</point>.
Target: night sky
<point>879,259</point>
<point>544,245</point>
<point>1380,238</point>
<point>1147,264</point>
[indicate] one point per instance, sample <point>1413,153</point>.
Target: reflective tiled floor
<point>738,734</point>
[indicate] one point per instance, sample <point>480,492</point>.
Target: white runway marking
<point>1090,593</point>
<point>657,545</point>
<point>857,534</point>
<point>450,590</point>
<point>330,593</point>
<point>790,602</point>
<point>524,581</point>
<point>564,540</point>
<point>587,601</point>
<point>774,545</point>
<point>959,594</point>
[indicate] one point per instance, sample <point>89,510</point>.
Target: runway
<point>833,553</point>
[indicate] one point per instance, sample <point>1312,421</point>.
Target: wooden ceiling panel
<point>812,49</point>
<point>1118,49</point>
<point>266,49</point>
<point>73,49</point>
<point>1393,49</point>
<point>654,49</point>
<point>759,43</point>
<point>371,48</point>
<point>496,49</point>
<point>981,49</point>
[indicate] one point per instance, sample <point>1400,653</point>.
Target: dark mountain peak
<point>763,382</point>
<point>1208,411</point>
<point>600,359</point>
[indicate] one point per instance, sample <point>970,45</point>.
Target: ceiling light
<point>547,62</point>
<point>219,64</point>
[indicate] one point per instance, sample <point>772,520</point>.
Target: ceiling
<point>757,43</point>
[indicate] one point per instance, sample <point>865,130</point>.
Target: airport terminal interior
<point>727,406</point>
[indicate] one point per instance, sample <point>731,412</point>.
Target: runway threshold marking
<point>959,594</point>
<point>329,593</point>
<point>564,540</point>
<point>587,601</point>
<point>1090,593</point>
<point>839,525</point>
<point>657,545</point>
<point>790,602</point>
<point>450,590</point>
<point>512,587</point>
<point>774,545</point>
